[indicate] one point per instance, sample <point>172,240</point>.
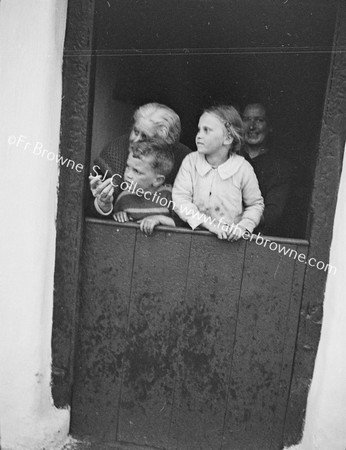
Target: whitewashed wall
<point>325,422</point>
<point>31,46</point>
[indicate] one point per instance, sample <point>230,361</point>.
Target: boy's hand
<point>97,186</point>
<point>148,224</point>
<point>95,182</point>
<point>121,216</point>
<point>103,191</point>
<point>100,188</point>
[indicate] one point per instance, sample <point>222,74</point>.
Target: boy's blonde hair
<point>232,121</point>
<point>160,153</point>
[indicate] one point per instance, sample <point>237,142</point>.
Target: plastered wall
<point>326,408</point>
<point>31,45</point>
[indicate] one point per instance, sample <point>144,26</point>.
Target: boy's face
<point>140,171</point>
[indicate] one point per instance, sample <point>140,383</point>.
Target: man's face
<point>140,171</point>
<point>255,125</point>
<point>142,130</point>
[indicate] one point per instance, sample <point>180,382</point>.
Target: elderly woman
<point>274,174</point>
<point>151,121</point>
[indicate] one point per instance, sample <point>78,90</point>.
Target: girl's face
<point>212,135</point>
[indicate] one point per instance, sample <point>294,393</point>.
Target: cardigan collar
<point>225,170</point>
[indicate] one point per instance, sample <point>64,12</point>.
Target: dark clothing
<point>138,207</point>
<point>275,177</point>
<point>114,156</point>
<point>113,159</point>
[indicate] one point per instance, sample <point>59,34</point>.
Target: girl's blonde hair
<point>231,119</point>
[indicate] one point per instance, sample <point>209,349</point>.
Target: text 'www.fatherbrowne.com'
<point>259,239</point>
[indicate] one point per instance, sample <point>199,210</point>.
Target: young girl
<point>215,187</point>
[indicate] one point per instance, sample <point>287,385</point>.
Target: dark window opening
<point>191,54</point>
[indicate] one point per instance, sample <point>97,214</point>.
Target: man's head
<point>256,125</point>
<point>155,120</point>
<point>148,164</point>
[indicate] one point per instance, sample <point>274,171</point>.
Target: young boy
<point>144,197</point>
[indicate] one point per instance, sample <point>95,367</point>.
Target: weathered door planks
<point>261,352</point>
<point>103,320</point>
<point>158,284</point>
<point>185,342</point>
<point>207,330</point>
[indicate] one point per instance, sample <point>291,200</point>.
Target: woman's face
<point>255,125</point>
<point>142,130</point>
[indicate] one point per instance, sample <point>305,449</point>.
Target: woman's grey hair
<point>167,122</point>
